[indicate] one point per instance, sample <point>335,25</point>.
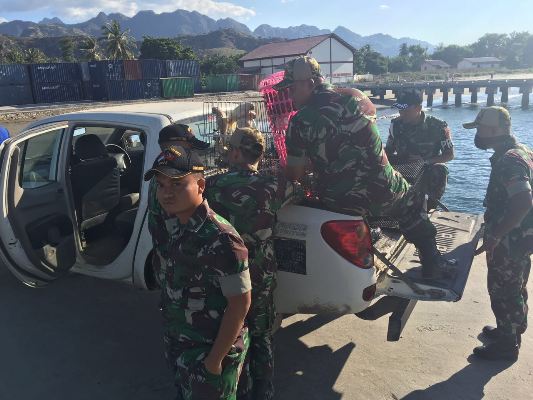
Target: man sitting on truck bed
<point>336,131</point>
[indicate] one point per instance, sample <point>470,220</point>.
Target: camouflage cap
<point>175,162</point>
<point>249,139</point>
<point>494,117</point>
<point>181,133</point>
<point>299,69</point>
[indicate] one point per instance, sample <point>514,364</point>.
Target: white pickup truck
<point>73,199</point>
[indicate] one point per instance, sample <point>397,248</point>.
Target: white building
<point>479,62</point>
<point>434,65</point>
<point>335,56</point>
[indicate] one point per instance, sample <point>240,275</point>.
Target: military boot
<point>434,265</point>
<point>505,348</point>
<point>493,333</point>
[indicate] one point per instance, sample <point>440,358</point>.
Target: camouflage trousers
<point>436,179</point>
<point>256,379</point>
<point>411,212</point>
<point>508,273</point>
<point>192,379</point>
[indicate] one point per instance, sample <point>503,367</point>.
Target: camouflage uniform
<point>352,170</point>
<point>508,269</point>
<point>428,138</point>
<point>250,201</point>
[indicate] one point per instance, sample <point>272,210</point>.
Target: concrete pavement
<point>87,339</point>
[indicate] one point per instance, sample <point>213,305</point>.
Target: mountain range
<point>191,23</point>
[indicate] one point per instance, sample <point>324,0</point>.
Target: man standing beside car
<point>415,137</point>
<point>181,136</point>
<point>508,236</point>
<point>337,133</point>
<point>205,283</point>
<point>250,200</point>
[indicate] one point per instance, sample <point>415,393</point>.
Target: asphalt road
<point>86,339</point>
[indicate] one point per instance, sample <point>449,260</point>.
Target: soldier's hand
<point>489,244</point>
<point>212,366</point>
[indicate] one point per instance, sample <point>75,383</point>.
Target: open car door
<point>37,241</point>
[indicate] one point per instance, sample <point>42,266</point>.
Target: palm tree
<point>119,44</point>
<point>35,56</point>
<point>91,49</point>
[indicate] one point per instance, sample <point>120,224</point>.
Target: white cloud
<point>2,19</point>
<point>384,7</point>
<point>79,10</point>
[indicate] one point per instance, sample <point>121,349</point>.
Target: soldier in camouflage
<point>202,266</point>
<point>182,136</point>
<point>336,131</point>
<point>418,138</point>
<point>250,200</point>
<point>508,237</point>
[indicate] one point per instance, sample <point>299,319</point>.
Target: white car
<point>73,199</point>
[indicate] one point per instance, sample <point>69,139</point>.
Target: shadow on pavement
<point>83,339</point>
<point>469,382</point>
<point>303,372</point>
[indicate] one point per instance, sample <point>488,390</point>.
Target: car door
<point>37,241</point>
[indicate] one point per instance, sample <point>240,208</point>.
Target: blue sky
<point>449,21</point>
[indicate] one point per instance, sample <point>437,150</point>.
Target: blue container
<point>116,90</point>
<point>13,95</point>
<point>57,92</point>
<point>177,68</point>
<point>153,69</point>
<point>143,89</point>
<point>55,72</point>
<point>102,71</point>
<point>14,74</point>
<point>96,91</point>
<point>85,73</point>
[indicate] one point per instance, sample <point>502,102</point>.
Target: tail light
<point>351,240</point>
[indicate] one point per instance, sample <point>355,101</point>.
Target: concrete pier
<point>458,96</point>
<point>491,88</point>
<point>505,94</point>
<point>490,95</point>
<point>473,94</point>
<point>444,95</point>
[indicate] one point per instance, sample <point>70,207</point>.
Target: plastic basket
<point>279,111</point>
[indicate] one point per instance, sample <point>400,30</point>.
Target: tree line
<point>515,50</point>
<point>118,44</point>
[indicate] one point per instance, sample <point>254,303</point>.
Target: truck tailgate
<point>457,238</point>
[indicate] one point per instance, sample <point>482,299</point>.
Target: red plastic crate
<point>279,111</point>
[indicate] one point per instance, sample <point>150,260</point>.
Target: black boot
<point>434,265</point>
<point>493,333</point>
<point>504,348</point>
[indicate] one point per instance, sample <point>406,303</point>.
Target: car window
<point>133,140</point>
<point>38,163</point>
<point>103,132</point>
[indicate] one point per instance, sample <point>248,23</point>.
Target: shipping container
<point>222,83</point>
<point>55,72</point>
<point>132,70</point>
<point>177,68</point>
<point>153,69</point>
<point>108,70</point>
<point>44,92</point>
<point>96,91</point>
<point>142,89</point>
<point>13,95</point>
<point>116,90</point>
<point>249,82</point>
<point>14,74</point>
<point>177,87</point>
<point>85,73</point>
